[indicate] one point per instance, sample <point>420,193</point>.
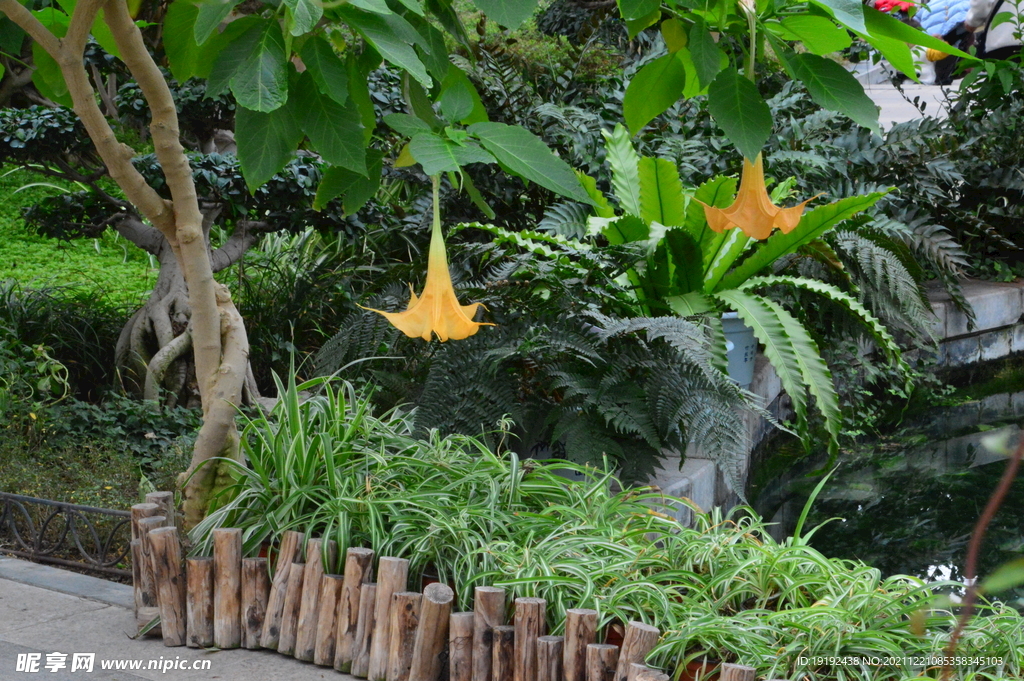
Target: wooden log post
<point>639,640</point>
<point>165,502</point>
<point>652,675</point>
<point>149,610</point>
<point>358,571</point>
<point>405,618</point>
<point>199,603</point>
<point>142,572</point>
<point>392,577</point>
<point>365,626</point>
<point>170,581</point>
<point>255,593</point>
<point>435,617</point>
<point>549,658</point>
<point>227,587</point>
<point>290,545</point>
<point>327,622</point>
<point>489,612</point>
<point>309,608</point>
<point>736,672</point>
<point>602,661</point>
<point>292,603</point>
<point>580,631</point>
<point>503,654</point>
<point>530,623</point>
<point>460,646</point>
<point>634,669</point>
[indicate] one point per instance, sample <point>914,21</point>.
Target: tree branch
<point>14,82</point>
<point>164,125</point>
<point>20,15</point>
<point>241,240</point>
<point>142,235</point>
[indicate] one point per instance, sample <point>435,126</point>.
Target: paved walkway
<point>44,610</point>
<point>896,109</point>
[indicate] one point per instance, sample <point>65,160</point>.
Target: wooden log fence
<point>377,630</point>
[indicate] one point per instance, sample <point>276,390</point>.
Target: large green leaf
<point>220,56</point>
<point>740,111</point>
<point>508,13</point>
<point>459,99</point>
<point>359,92</point>
<point>336,131</point>
<point>724,252</point>
<point>874,326</point>
<point>814,224</point>
<point>661,192</point>
<point>305,14</point>
<point>818,34</point>
<point>762,317</point>
<point>600,201</point>
<point>526,155</point>
<point>209,17</point>
<point>261,81</point>
<point>432,48</point>
<point>685,255</point>
<point>849,12</point>
<point>654,88</point>
<point>12,37</point>
<point>707,58</point>
<point>626,229</point>
<point>439,155</point>
<point>326,68</point>
<point>880,24</point>
<point>835,88</point>
<point>637,9</point>
<point>179,41</point>
<point>625,165</point>
<point>406,125</point>
<point>896,52</point>
<point>48,78</point>
<point>393,37</point>
<point>356,189</point>
<point>266,142</point>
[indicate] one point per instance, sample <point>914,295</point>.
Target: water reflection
<point>909,506</point>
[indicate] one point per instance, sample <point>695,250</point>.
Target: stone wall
<point>998,332</point>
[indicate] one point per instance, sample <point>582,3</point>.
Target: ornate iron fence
<point>94,539</point>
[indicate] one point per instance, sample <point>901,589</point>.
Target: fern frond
<point>567,219</point>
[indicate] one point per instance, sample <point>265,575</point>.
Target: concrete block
<point>682,488</point>
<point>960,351</point>
<point>995,344</point>
<point>995,408</point>
<point>1017,404</point>
<point>939,308</point>
<point>995,304</point>
<point>1017,339</point>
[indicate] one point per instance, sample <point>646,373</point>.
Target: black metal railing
<point>94,539</point>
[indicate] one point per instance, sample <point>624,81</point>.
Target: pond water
<point>907,504</point>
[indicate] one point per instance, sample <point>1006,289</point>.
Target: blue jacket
<point>939,17</point>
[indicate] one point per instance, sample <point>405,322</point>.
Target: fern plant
<point>568,361</point>
<point>691,271</point>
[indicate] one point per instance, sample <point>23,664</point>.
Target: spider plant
<point>723,589</point>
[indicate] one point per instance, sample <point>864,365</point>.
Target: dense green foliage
<point>329,467</point>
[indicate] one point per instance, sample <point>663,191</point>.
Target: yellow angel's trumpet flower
<point>753,211</point>
<point>436,310</point>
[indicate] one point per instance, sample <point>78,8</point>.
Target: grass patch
<point>93,472</point>
<point>110,266</point>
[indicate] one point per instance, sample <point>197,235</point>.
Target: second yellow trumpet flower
<point>753,211</point>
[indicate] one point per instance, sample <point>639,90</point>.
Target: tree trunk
<point>219,344</point>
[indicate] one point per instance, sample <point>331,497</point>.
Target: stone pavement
<point>896,109</point>
<point>45,610</point>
